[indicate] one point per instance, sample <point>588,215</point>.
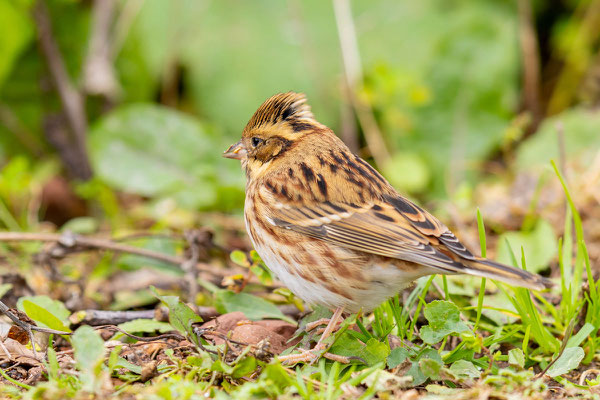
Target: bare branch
<point>107,317</point>
<point>71,98</point>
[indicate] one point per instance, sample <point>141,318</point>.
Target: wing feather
<point>375,228</point>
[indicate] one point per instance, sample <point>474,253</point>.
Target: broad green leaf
<point>568,361</point>
<point>430,368</point>
<point>372,352</point>
<point>43,316</point>
<point>464,369</point>
<point>540,246</point>
<point>253,307</point>
<point>444,319</point>
<point>155,151</point>
<point>55,307</point>
<point>415,370</point>
<point>181,317</point>
<point>516,357</point>
<point>145,326</point>
<point>397,357</point>
<point>50,313</point>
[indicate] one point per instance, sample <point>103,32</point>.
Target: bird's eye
<point>256,141</point>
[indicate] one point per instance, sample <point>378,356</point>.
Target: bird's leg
<point>323,321</point>
<point>331,327</point>
<point>311,356</point>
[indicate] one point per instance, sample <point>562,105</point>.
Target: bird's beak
<point>235,151</point>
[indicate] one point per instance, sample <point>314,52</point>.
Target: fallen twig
<point>107,317</point>
<point>70,240</point>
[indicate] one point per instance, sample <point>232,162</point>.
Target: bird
<point>332,228</point>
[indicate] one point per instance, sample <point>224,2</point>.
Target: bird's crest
<point>288,107</point>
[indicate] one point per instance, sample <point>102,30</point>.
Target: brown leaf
<point>18,334</point>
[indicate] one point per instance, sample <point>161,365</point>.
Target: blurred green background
<point>100,100</point>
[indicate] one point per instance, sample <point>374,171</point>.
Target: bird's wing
<point>391,227</point>
<point>396,228</point>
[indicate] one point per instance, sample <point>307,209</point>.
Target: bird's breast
<point>322,273</point>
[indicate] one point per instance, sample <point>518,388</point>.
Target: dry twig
<point>69,241</point>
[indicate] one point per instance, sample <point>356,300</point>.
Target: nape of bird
<point>331,228</point>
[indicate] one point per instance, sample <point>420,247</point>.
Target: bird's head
<point>276,127</point>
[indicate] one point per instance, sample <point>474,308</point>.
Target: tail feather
<point>515,276</point>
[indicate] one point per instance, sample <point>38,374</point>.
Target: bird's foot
<point>311,356</point>
<point>323,321</point>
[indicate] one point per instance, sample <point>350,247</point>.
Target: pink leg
<point>310,355</point>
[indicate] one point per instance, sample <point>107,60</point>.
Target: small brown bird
<point>331,228</point>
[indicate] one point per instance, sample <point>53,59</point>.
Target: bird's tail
<point>515,276</point>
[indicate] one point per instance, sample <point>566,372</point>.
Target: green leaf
<point>145,326</point>
<point>181,317</point>
<point>463,369</point>
<point>244,367</point>
<point>372,352</point>
<point>240,258</point>
<point>202,361</point>
<point>54,307</point>
<point>516,357</point>
<point>52,366</point>
<point>155,151</point>
<point>444,319</point>
<point>81,225</point>
<point>430,368</point>
<point>88,349</point>
<point>583,334</point>
<point>397,357</point>
<point>540,246</point>
<point>254,308</point>
<point>415,370</point>
<point>123,363</point>
<point>43,316</point>
<point>221,366</point>
<point>568,361</point>
<point>16,31</point>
